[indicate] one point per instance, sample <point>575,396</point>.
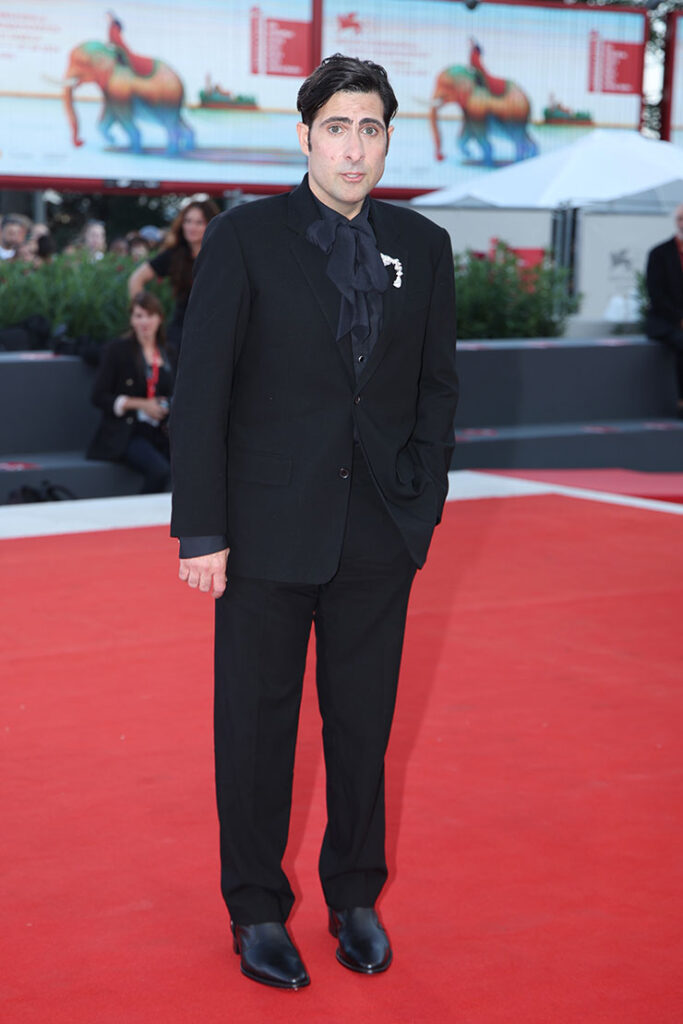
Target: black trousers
<point>262,632</point>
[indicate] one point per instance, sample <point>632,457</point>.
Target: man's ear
<point>390,132</point>
<point>303,131</point>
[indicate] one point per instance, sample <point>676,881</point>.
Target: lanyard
<point>152,379</point>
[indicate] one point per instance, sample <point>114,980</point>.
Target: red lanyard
<point>152,379</point>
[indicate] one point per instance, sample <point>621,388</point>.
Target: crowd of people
<point>24,241</point>
<point>134,380</point>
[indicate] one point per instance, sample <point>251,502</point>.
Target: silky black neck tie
<point>355,267</point>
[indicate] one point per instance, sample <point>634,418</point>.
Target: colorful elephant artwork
<point>134,88</point>
<point>489,106</point>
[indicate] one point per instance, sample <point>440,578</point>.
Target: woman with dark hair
<point>132,388</point>
<point>176,261</point>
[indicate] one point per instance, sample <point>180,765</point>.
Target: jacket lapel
<point>388,242</point>
<point>302,212</point>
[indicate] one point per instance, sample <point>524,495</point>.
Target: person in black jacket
<point>311,437</point>
<point>664,278</point>
<point>133,388</point>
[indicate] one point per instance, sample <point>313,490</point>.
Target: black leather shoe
<point>363,943</point>
<point>268,955</point>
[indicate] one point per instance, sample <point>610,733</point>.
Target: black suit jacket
<point>664,277</point>
<point>266,400</point>
<point>121,372</point>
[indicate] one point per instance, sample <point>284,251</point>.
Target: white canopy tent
<point>619,168</point>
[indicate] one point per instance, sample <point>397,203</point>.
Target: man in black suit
<point>311,437</point>
<point>664,278</point>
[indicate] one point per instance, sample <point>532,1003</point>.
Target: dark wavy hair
<point>151,304</point>
<point>339,73</point>
<point>181,258</point>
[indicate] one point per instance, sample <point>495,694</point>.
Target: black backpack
<point>46,492</point>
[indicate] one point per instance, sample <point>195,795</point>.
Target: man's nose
<point>354,146</point>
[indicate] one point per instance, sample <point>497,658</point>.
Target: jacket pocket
<point>259,467</point>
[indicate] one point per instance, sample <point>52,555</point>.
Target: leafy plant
<point>643,296</point>
<point>498,298</point>
<point>90,298</point>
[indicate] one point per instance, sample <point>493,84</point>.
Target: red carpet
<point>534,785</point>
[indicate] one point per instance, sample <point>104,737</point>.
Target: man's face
<point>95,238</point>
<point>13,235</point>
<point>346,148</point>
<point>678,218</point>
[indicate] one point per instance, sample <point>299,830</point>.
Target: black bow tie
<point>355,267</point>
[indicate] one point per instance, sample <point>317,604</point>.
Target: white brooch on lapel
<point>392,261</point>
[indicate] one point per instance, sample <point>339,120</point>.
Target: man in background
<point>664,278</point>
<point>13,232</point>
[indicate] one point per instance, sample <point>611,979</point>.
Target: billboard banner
<point>201,91</point>
<point>161,93</point>
<point>478,89</point>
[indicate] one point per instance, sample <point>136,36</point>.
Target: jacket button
<point>129,419</point>
<point>356,400</point>
<point>129,382</point>
<point>344,473</point>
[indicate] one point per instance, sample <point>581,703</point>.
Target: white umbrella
<point>604,166</point>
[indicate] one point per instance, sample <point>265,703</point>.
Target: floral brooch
<point>391,261</point>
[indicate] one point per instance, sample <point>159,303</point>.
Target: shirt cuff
<point>193,547</point>
<point>119,405</point>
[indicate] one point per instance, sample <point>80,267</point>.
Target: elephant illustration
<point>484,112</point>
<point>128,96</point>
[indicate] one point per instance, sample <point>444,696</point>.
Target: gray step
<point>654,444</point>
<point>564,380</point>
<point>85,478</point>
<point>45,403</point>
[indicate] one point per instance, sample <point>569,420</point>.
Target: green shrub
<point>496,298</point>
<point>643,297</point>
<point>89,297</point>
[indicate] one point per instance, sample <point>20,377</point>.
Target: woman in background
<point>132,388</point>
<point>176,261</point>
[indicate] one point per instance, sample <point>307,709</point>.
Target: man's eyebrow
<point>349,120</point>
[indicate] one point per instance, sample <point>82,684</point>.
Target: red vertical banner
<point>316,33</point>
<point>279,46</point>
<point>288,47</point>
<point>614,67</point>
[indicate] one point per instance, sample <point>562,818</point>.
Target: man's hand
<point>207,572</point>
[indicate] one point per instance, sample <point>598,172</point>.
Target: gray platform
<point>528,404</point>
<point>46,423</point>
<point>561,403</point>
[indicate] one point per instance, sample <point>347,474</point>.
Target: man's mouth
<point>353,176</point>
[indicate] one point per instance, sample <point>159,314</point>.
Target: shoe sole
<point>273,983</point>
<point>363,970</point>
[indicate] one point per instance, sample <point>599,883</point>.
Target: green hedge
<point>89,297</point>
<point>496,299</point>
